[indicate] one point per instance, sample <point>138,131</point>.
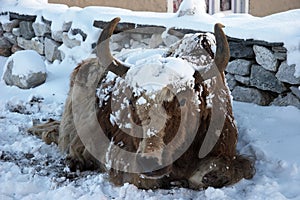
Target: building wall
<point>267,7</point>
<point>136,5</point>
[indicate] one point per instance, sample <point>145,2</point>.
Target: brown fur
<point>220,167</point>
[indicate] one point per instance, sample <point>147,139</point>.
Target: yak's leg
<point>48,132</point>
<point>219,172</point>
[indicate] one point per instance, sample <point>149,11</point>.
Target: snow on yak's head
<point>155,95</point>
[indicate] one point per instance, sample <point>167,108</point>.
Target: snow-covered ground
<point>30,169</point>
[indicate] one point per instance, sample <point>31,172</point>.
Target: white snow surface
<point>30,169</point>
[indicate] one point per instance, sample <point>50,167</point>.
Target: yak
<point>179,134</point>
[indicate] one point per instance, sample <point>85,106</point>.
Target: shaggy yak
<point>180,134</point>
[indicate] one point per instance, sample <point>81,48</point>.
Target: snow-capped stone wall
<point>258,71</point>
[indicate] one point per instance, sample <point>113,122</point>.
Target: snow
<point>30,169</point>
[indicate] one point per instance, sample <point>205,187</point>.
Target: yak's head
<point>159,102</point>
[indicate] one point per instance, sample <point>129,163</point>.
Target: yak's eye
<point>182,102</point>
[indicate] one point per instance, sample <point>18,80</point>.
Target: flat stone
<point>242,79</point>
<point>296,91</point>
<point>33,44</point>
<point>13,16</point>
<point>231,82</point>
<point>70,43</point>
<point>280,56</point>
<point>286,73</point>
<point>265,58</point>
<point>287,100</point>
<point>10,37</point>
<point>240,50</point>
<point>136,36</point>
<point>279,49</point>
<point>263,43</point>
<point>8,26</point>
<point>251,95</point>
<point>239,66</point>
<point>26,30</point>
<point>265,80</point>
<point>40,29</point>
<point>51,50</point>
<point>5,47</point>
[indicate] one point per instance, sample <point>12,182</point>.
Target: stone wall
<point>257,72</point>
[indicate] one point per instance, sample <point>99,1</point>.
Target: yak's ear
<point>103,53</point>
<point>222,51</point>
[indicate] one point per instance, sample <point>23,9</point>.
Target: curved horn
<point>103,53</point>
<point>222,52</point>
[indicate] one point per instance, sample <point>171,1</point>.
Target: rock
<point>21,17</point>
<point>70,43</point>
<point>231,82</point>
<point>25,69</point>
<point>136,36</point>
<point>120,37</point>
<point>242,79</point>
<point>26,30</point>
<point>286,73</point>
<point>169,39</point>
<point>251,95</point>
<point>286,100</point>
<point>31,45</point>
<point>51,50</point>
<point>240,50</point>
<point>8,26</point>
<point>296,91</point>
<point>5,47</point>
<point>279,49</point>
<point>57,35</point>
<point>40,29</point>
<point>155,40</point>
<point>280,56</point>
<point>265,58</point>
<point>136,44</point>
<point>239,66</point>
<point>10,37</point>
<point>16,32</point>
<point>15,48</point>
<point>114,46</point>
<point>265,80</point>
<point>80,32</point>
<point>66,26</point>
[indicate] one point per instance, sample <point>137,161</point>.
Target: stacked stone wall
<point>257,72</point>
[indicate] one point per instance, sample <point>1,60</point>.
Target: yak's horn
<point>222,52</point>
<point>103,51</point>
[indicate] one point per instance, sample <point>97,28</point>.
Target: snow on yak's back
<point>165,121</point>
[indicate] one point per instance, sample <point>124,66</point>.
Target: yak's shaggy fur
<point>219,167</point>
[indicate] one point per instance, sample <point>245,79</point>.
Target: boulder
<point>26,30</point>
<point>286,100</point>
<point>239,66</point>
<point>70,43</point>
<point>155,40</point>
<point>10,37</point>
<point>265,80</point>
<point>51,50</point>
<point>8,26</point>
<point>296,91</point>
<point>40,29</point>
<point>5,47</point>
<point>16,32</point>
<point>33,44</point>
<point>286,74</point>
<point>265,58</point>
<point>242,79</point>
<point>25,69</point>
<point>231,82</point>
<point>251,95</point>
<point>240,50</point>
